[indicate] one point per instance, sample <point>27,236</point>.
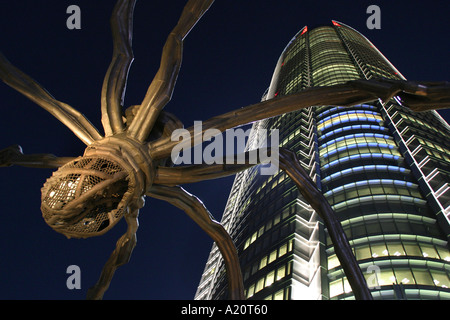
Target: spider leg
<point>348,94</point>
<point>290,164</point>
<point>172,176</point>
<point>161,88</point>
<point>70,117</point>
<point>13,155</point>
<point>195,209</point>
<point>417,96</point>
<point>120,256</point>
<point>114,84</point>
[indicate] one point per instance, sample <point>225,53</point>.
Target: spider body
<point>89,195</point>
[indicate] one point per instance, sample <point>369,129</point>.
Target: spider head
<point>87,196</point>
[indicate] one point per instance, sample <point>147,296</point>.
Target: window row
<point>372,157</point>
<point>358,170</point>
<point>374,187</point>
<point>396,249</point>
<point>359,150</point>
<point>276,253</point>
<point>385,201</point>
<point>352,128</point>
<point>382,277</point>
<point>416,120</point>
<point>395,226</point>
<point>282,294</point>
<point>354,138</point>
<point>321,114</point>
<point>268,279</point>
<point>361,142</point>
<point>272,207</point>
<point>349,118</point>
<point>438,155</point>
<point>294,49</point>
<point>434,146</point>
<point>334,76</point>
<point>266,227</point>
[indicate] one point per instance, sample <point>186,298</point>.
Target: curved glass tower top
<point>384,170</point>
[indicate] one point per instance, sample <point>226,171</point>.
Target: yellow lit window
<point>247,243</point>
<point>254,236</point>
<point>290,245</point>
<point>363,253</point>
<point>412,250</point>
<point>379,250</point>
<point>440,279</point>
<point>263,263</point>
<point>259,285</point>
<point>273,256</point>
<point>428,251</point>
<point>270,278</point>
<point>395,249</point>
<point>251,291</point>
<point>336,288</point>
<point>283,250</point>
<point>423,277</point>
<point>279,295</point>
<point>333,262</point>
<point>386,277</point>
<point>281,272</point>
<point>404,276</point>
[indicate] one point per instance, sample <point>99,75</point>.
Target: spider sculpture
<point>88,195</point>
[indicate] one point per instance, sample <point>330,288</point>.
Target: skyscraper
<point>384,170</point>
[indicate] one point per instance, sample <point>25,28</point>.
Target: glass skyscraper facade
<point>384,169</point>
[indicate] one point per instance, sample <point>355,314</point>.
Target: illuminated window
<point>379,250</point>
<point>428,251</point>
<point>273,256</point>
<point>270,278</point>
<point>279,295</point>
<point>423,277</point>
<point>251,291</point>
<point>336,288</point>
<point>363,253</point>
<point>259,285</point>
<point>385,277</point>
<point>281,272</point>
<point>440,279</point>
<point>263,262</point>
<point>444,253</point>
<point>283,250</point>
<point>404,276</point>
<point>333,261</point>
<point>347,117</point>
<point>412,249</point>
<point>395,249</point>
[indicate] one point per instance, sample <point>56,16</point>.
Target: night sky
<point>228,62</point>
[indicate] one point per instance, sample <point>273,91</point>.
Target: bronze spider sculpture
<point>88,195</point>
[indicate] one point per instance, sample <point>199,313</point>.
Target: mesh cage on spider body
<point>86,197</point>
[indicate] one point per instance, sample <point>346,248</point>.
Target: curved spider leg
<point>172,176</point>
<point>120,256</point>
<point>161,88</point>
<point>342,95</point>
<point>13,155</point>
<point>348,94</point>
<point>195,209</point>
<point>114,84</point>
<point>70,117</point>
<point>417,96</point>
<point>289,163</point>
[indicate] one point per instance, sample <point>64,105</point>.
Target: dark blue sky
<point>228,62</point>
